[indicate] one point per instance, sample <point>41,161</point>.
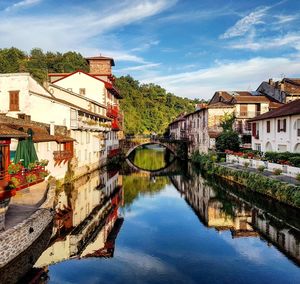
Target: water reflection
<point>151,157</point>
<point>233,209</point>
<point>142,221</point>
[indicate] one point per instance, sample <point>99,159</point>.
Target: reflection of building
<point>86,220</point>
<point>224,210</point>
<point>285,238</point>
<point>213,211</point>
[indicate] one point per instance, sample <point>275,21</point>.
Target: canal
<point>158,220</point>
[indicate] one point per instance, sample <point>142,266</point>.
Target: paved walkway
<point>24,203</point>
<point>270,174</point>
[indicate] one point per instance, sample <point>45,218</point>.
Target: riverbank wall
<point>17,239</point>
<point>281,191</point>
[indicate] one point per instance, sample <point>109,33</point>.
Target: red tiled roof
<point>292,108</point>
<point>8,132</point>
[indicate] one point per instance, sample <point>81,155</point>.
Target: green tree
<point>229,139</point>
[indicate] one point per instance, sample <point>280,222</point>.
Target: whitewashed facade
<point>279,130</point>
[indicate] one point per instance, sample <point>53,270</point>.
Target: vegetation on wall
<point>281,191</point>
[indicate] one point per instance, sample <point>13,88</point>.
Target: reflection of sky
<point>162,241</point>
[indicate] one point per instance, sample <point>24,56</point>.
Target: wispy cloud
<point>60,31</point>
<point>245,24</point>
<point>139,67</point>
<point>234,75</point>
<point>282,19</point>
<point>22,4</point>
<point>291,40</point>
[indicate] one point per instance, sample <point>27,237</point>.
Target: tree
<point>229,139</point>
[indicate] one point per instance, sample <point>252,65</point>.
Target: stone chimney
<point>271,82</point>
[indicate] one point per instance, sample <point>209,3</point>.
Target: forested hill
<point>147,107</point>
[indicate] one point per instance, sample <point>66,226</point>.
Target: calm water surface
<point>174,227</point>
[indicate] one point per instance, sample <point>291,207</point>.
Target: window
<point>281,125</point>
<point>268,126</point>
<point>82,91</point>
<point>298,127</point>
<point>14,100</point>
<point>258,147</point>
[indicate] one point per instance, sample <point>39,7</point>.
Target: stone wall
<point>18,238</point>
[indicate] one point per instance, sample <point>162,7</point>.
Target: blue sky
<point>190,47</point>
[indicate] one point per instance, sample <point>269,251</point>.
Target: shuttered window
<point>298,127</point>
<point>268,126</point>
<point>14,100</point>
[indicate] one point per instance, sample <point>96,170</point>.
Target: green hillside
<point>147,107</point>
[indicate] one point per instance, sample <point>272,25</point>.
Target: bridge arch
<point>134,147</point>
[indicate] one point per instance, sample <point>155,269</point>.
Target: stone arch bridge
<point>177,147</point>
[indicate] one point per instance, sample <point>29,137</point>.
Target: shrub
<point>14,168</point>
<point>261,168</point>
<point>298,177</point>
<point>246,164</point>
<point>277,172</point>
<point>295,161</point>
<point>15,182</point>
<point>222,160</point>
<point>228,141</point>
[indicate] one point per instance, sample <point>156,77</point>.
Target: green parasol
<point>25,151</point>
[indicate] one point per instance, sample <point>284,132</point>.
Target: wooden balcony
<point>62,156</point>
<point>112,111</point>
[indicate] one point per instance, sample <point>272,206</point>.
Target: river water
<point>167,223</point>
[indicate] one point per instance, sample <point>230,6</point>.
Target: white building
<point>277,130</point>
<point>22,97</point>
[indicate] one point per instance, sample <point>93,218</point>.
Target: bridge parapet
<point>177,147</point>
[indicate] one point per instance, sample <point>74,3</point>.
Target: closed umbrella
<point>26,151</point>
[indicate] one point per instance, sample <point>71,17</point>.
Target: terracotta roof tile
<point>8,132</point>
<point>292,108</point>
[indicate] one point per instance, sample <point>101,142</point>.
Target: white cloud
<point>291,40</point>
<point>74,30</point>
<point>245,24</point>
<point>282,19</point>
<point>138,67</point>
<point>236,75</point>
<point>22,4</point>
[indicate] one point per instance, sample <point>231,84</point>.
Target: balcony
<point>247,114</point>
<point>26,178</point>
<point>112,111</point>
<point>62,156</point>
<point>91,123</point>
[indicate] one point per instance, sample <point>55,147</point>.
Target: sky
<point>192,48</point>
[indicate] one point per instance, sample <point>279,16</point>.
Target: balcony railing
<point>62,156</point>
<point>26,178</point>
<point>247,114</point>
<point>112,111</point>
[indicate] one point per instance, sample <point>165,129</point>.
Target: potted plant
<point>261,168</point>
<point>30,177</point>
<point>44,163</point>
<point>277,172</point>
<point>14,168</point>
<point>14,182</point>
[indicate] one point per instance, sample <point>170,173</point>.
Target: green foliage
<point>227,122</point>
<point>261,168</point>
<point>277,172</point>
<point>38,63</point>
<point>228,140</point>
<point>257,182</point>
<point>246,165</point>
<point>275,157</point>
<point>148,107</point>
<point>298,177</point>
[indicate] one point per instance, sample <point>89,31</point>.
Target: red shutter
<point>254,129</point>
<point>14,100</point>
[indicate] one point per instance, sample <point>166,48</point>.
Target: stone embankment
<point>18,238</point>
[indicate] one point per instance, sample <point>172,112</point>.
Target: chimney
<point>101,65</point>
<point>52,128</point>
<point>271,82</point>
